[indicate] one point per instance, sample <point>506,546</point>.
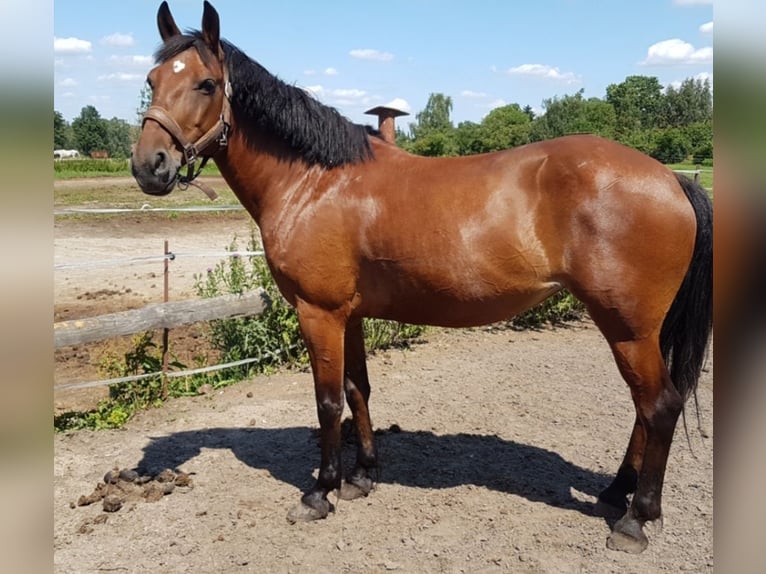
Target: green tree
<point>144,101</point>
<point>403,139</point>
<point>529,111</point>
<point>62,132</point>
<point>90,131</point>
<point>672,146</point>
<point>435,117</point>
<point>505,127</point>
<point>637,102</point>
<point>433,133</point>
<point>468,138</point>
<point>572,114</point>
<point>700,138</point>
<point>435,144</point>
<point>643,140</point>
<point>691,102</point>
<point>118,135</point>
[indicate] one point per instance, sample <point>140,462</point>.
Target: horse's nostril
<point>159,160</point>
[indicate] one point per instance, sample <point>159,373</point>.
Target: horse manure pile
<point>122,486</point>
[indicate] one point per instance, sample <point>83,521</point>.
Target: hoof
<point>358,488</point>
<point>304,513</point>
<point>627,536</point>
<point>654,527</point>
<point>624,543</point>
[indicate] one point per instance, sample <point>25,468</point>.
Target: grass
<point>77,168</point>
<point>69,194</point>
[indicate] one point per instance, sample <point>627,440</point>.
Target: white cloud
<point>327,72</point>
<point>68,83</point>
<point>399,104</point>
<point>71,46</point>
<point>677,52</point>
<point>472,94</point>
<point>118,40</point>
<point>544,71</point>
<point>369,54</point>
<point>135,60</point>
<point>339,96</point>
<point>693,2</point>
<point>499,103</point>
<point>119,77</point>
<point>348,93</point>
<point>707,28</point>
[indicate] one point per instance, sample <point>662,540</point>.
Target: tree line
<point>672,125</point>
<point>89,133</point>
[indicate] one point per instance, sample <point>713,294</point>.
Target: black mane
<point>261,102</point>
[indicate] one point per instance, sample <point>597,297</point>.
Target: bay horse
<point>354,227</point>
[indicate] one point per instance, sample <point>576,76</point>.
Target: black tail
<point>686,330</point>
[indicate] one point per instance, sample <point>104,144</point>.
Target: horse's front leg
<point>357,386</point>
<point>323,333</point>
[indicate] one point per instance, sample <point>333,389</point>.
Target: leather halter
<point>218,134</point>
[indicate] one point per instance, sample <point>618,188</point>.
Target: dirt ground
<point>494,444</point>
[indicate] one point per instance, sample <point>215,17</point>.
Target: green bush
<point>273,337</point>
<point>124,398</point>
<point>563,306</point>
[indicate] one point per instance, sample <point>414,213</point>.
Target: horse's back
<point>480,238</point>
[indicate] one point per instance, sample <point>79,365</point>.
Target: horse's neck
<point>259,177</point>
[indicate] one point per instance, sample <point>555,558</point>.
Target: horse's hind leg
<point>658,406</point>
<point>357,387</point>
<point>613,500</point>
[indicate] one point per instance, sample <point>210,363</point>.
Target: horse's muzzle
<point>156,174</point>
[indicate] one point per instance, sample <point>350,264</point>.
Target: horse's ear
<point>211,28</point>
<point>165,22</point>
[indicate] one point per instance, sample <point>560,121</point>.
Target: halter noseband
<point>218,134</point>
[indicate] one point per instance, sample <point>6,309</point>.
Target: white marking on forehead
<point>178,65</point>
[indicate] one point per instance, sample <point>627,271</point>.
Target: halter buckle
<point>190,154</point>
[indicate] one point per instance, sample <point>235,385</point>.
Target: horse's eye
<point>207,87</point>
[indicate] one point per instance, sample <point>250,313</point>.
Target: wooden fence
<point>156,316</point>
<point>165,316</point>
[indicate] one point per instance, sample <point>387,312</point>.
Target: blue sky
<point>356,55</point>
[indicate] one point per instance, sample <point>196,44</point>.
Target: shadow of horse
<point>419,459</point>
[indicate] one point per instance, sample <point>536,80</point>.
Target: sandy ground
<point>505,440</point>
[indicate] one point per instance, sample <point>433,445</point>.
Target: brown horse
<point>354,227</point>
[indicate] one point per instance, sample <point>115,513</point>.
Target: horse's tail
<point>686,330</point>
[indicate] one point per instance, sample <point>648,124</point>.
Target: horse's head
<point>188,115</point>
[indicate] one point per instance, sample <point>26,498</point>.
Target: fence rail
<point>156,316</point>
